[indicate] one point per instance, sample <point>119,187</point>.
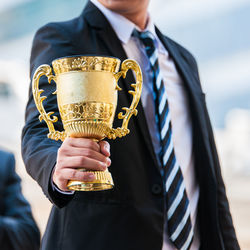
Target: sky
<point>215,31</point>
<point>6,4</point>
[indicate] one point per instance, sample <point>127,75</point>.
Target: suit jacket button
<point>156,189</point>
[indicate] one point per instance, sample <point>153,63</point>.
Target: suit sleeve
<point>225,220</point>
<point>40,153</point>
<point>18,230</point>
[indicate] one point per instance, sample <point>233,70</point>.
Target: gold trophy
<point>87,99</point>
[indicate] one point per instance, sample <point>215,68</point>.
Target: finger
<point>76,175</point>
<point>71,174</point>
<point>82,143</point>
<point>104,148</point>
<point>81,162</point>
<point>71,151</point>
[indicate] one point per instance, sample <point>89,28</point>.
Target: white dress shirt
<point>178,105</point>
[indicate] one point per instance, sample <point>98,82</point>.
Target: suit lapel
<point>196,96</point>
<point>189,79</point>
<point>182,66</point>
<point>114,48</point>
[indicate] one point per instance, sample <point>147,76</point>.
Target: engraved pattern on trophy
<point>85,63</point>
<point>77,118</point>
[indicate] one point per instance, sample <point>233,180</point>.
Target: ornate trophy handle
<point>136,93</point>
<point>47,71</point>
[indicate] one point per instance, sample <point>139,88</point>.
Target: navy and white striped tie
<point>178,213</point>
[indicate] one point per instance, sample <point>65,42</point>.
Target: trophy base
<point>103,181</point>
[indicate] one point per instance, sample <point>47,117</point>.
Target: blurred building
<point>234,143</point>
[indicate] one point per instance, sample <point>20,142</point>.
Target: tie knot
<point>146,37</point>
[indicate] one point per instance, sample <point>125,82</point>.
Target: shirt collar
<point>121,25</point>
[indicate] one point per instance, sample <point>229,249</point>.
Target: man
<point>18,230</point>
<point>168,192</point>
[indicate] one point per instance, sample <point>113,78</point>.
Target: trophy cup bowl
<point>86,89</point>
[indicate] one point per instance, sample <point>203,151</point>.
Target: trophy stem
<point>103,181</point>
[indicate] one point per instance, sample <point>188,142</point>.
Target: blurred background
<point>217,32</point>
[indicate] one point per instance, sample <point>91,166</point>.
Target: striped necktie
<point>179,224</point>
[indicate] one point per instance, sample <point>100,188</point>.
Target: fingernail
<point>104,166</point>
<point>108,161</point>
<point>107,147</point>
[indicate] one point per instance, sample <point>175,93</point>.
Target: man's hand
<point>80,153</point>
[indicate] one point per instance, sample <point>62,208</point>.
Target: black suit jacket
<point>18,230</point>
<point>131,216</point>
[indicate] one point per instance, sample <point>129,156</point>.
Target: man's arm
<point>224,216</point>
<point>47,160</point>
<point>18,230</point>
<point>39,152</point>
